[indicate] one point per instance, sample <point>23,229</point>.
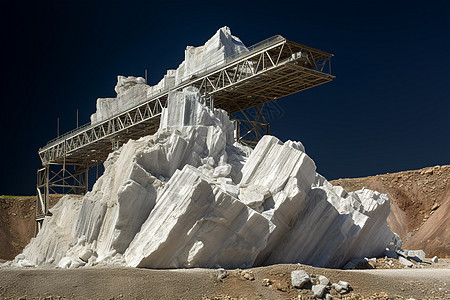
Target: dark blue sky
<point>387,110</point>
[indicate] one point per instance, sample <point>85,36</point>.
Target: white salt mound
<point>189,196</point>
<point>220,204</point>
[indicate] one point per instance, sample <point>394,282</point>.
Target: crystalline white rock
<point>190,196</point>
<point>299,278</point>
<point>189,210</point>
<point>65,262</point>
<point>355,227</point>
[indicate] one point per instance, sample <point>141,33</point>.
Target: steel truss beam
<point>252,127</point>
<point>93,141</point>
<point>271,69</point>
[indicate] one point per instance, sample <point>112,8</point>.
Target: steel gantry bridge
<point>271,69</point>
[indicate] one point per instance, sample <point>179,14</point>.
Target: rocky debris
<point>405,261</point>
<point>247,275</point>
<point>189,196</point>
<point>86,255</point>
<point>323,280</point>
<point>392,260</point>
<point>341,287</point>
<point>417,255</point>
<point>281,286</point>
<point>65,263</point>
<point>319,290</point>
<point>319,285</point>
<point>398,258</point>
<point>356,263</point>
<point>299,278</point>
<point>267,282</point>
<point>435,260</point>
<point>435,206</point>
<point>221,274</point>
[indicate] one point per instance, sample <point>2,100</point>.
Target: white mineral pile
<point>189,196</point>
<point>132,91</point>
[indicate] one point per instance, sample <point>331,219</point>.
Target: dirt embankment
<point>17,223</point>
<point>420,206</point>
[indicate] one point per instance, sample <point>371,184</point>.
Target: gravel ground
<point>271,282</point>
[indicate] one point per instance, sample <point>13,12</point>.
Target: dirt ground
<point>420,206</point>
<point>272,282</point>
<point>17,223</point>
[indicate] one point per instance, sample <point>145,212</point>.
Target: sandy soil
<point>17,223</point>
<point>130,283</point>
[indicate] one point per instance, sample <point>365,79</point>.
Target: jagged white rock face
<point>352,224</point>
<point>131,91</point>
<point>189,196</point>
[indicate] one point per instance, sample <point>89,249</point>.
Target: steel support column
<point>58,179</point>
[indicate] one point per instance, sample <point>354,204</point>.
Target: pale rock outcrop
<point>198,224</point>
<point>131,91</point>
<point>353,224</point>
<point>222,46</point>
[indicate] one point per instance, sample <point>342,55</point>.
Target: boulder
<point>65,262</point>
<point>323,280</point>
<point>319,290</point>
<point>418,255</point>
<point>341,287</point>
<point>299,278</point>
<point>405,262</point>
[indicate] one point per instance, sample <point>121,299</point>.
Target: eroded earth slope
<point>420,206</point>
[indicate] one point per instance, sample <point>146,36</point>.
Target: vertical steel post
<point>47,189</point>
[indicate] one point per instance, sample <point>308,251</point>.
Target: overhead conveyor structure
<point>271,69</point>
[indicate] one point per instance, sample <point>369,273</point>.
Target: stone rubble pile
<point>320,285</point>
<point>396,259</point>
